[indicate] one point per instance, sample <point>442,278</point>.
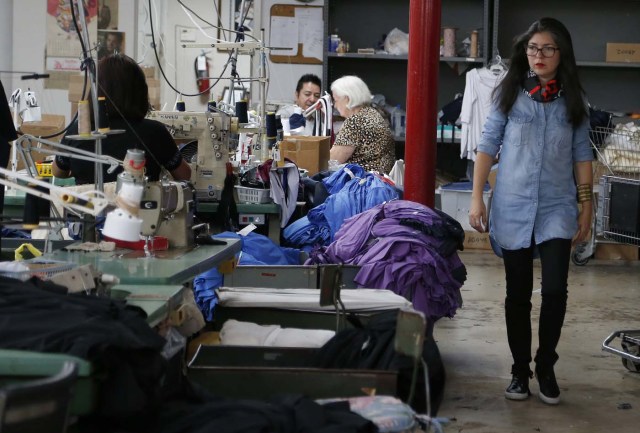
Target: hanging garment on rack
<point>476,103</point>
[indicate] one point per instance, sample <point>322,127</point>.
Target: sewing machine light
<point>123,226</point>
<point>123,223</point>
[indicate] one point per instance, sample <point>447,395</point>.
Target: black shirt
<point>155,136</point>
<point>7,131</point>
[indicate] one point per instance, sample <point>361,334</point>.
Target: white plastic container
<point>252,195</point>
<point>398,120</point>
<point>455,199</point>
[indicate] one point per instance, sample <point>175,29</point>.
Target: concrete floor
<point>598,394</point>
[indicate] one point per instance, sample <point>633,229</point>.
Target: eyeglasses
<point>532,51</point>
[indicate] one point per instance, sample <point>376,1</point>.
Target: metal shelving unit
<point>385,73</point>
<point>610,86</point>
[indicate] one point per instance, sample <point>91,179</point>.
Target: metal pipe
<point>422,100</point>
<point>93,73</point>
<point>264,151</point>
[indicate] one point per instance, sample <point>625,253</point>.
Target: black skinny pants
<point>518,264</point>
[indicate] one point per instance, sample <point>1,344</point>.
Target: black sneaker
<point>518,389</point>
<point>549,391</point>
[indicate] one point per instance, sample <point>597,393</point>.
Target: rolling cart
<point>630,352</point>
<point>616,216</point>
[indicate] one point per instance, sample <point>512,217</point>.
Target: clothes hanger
<point>497,65</point>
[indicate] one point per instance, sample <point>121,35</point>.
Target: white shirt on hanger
<point>476,103</point>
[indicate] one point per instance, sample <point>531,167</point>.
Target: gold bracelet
<point>585,187</point>
<point>585,192</point>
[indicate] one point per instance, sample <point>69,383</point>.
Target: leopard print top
<point>369,133</point>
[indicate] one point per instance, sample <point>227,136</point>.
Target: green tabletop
<point>20,366</point>
<point>176,268</point>
<point>157,301</point>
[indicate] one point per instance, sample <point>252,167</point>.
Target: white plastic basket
<point>252,195</point>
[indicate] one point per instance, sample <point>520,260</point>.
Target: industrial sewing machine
<point>167,209</point>
<point>163,208</point>
<point>212,131</point>
<point>146,209</point>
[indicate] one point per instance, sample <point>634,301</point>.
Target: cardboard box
<point>624,53</point>
<point>616,252</point>
<point>474,240</point>
<point>311,153</point>
<point>75,88</point>
<point>149,71</point>
<point>154,92</point>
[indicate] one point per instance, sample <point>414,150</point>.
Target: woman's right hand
<point>478,215</point>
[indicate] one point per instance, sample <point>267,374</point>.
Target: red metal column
<point>422,100</point>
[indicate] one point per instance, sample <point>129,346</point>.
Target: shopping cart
<point>630,352</point>
<point>616,216</point>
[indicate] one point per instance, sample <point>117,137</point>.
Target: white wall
<point>284,77</point>
<point>6,43</point>
<point>169,21</point>
<point>23,41</point>
<point>28,32</point>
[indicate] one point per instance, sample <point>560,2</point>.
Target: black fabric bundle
<point>372,348</point>
<point>125,352</point>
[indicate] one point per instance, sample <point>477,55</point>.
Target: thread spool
<point>449,42</point>
<point>473,49</point>
<point>279,128</point>
<point>211,106</point>
<point>180,106</point>
<point>134,162</point>
<point>241,112</point>
<point>34,208</point>
<point>271,125</point>
<point>103,116</point>
<point>271,129</point>
<point>84,118</point>
<point>72,199</point>
<point>129,197</point>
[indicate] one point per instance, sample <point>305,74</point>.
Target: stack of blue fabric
<point>352,191</point>
<point>256,250</point>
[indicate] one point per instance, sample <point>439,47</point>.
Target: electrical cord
<point>219,21</point>
<point>155,51</point>
<point>239,35</point>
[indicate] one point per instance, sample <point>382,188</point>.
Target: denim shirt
<point>535,191</point>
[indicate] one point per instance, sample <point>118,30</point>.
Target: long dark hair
<point>123,83</point>
<point>567,74</point>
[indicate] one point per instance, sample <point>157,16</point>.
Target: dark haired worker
<point>7,134</point>
<point>123,82</point>
<point>307,93</point>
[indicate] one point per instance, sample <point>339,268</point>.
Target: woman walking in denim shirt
<point>539,125</point>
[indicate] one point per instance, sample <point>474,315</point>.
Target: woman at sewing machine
<point>365,137</point>
<point>123,84</point>
<point>307,94</point>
